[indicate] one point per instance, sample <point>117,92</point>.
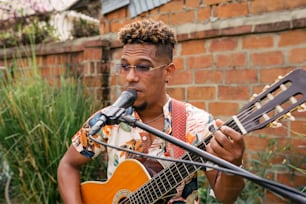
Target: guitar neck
<point>169,178</point>
<point>166,180</point>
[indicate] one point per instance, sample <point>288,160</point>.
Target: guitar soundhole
<point>121,196</point>
<point>125,201</point>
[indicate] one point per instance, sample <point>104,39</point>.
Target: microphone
<point>126,99</point>
<point>113,112</point>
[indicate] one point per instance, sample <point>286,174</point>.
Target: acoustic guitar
<point>131,183</point>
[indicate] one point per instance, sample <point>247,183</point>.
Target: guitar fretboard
<point>168,179</point>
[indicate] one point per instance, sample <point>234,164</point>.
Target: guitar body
<point>128,176</point>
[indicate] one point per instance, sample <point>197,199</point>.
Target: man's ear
<point>170,69</point>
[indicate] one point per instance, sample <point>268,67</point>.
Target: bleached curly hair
<point>151,32</point>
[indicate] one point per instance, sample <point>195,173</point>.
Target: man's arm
<point>228,145</point>
<point>68,175</point>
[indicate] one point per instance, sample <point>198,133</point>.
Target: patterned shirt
<point>134,138</point>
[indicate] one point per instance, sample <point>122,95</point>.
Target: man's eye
<point>143,68</point>
<point>125,66</point>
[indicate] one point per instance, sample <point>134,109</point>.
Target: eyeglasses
<point>124,68</point>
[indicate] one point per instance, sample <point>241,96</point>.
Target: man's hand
<point>227,144</point>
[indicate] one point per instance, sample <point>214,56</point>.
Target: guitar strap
<point>178,125</point>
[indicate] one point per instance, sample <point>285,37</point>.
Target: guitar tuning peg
<point>266,87</point>
<point>301,108</point>
<point>288,116</point>
<point>275,124</point>
<point>279,78</point>
<point>254,96</point>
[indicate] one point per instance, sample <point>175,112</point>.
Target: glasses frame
<point>129,67</point>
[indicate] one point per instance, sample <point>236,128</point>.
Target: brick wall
<point>227,51</point>
<point>85,59</point>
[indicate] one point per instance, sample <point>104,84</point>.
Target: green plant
<point>36,125</point>
<point>35,29</point>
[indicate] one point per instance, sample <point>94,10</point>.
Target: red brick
<point>117,14</point>
<point>243,76</point>
<point>278,132</point>
<point>201,93</point>
<point>162,17</point>
<point>219,109</point>
<point>193,47</point>
<point>204,34</point>
<point>297,55</point>
<point>92,81</point>
<point>92,53</point>
<point>176,5</point>
<point>181,77</point>
<point>261,6</point>
<point>299,128</point>
<point>45,72</point>
<point>291,180</point>
<point>272,27</point>
<point>58,71</point>
<point>236,30</point>
<point>212,2</point>
<point>203,14</point>
<point>208,76</point>
<point>257,41</point>
<point>223,44</point>
<point>178,93</point>
<point>192,3</point>
<point>231,60</point>
<point>268,76</point>
<point>267,58</point>
<point>116,26</point>
<point>290,38</point>
<point>182,17</point>
<point>297,145</point>
<point>291,4</point>
<point>255,143</point>
<point>232,10</point>
<point>179,63</point>
<point>233,93</point>
<point>201,105</point>
<point>299,23</point>
<point>200,62</point>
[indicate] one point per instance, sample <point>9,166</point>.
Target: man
<point>146,66</point>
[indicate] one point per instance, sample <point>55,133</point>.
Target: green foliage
<point>26,31</point>
<point>36,125</point>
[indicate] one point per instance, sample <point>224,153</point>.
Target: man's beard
<point>141,107</point>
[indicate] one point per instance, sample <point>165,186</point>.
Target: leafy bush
<point>36,124</point>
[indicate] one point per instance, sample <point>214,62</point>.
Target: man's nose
<point>132,75</point>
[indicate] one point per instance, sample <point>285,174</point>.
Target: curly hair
<point>149,31</point>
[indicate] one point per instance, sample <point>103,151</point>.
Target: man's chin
<point>140,107</point>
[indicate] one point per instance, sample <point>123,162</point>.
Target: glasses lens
<point>123,68</point>
<point>142,68</point>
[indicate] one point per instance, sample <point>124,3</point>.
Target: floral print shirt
<point>134,138</point>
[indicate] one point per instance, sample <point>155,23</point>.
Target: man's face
<point>150,85</point>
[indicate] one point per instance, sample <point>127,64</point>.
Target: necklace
<point>154,119</point>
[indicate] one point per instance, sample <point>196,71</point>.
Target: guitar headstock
<point>274,103</point>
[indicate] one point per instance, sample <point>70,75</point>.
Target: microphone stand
<point>280,189</point>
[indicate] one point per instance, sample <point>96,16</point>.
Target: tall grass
<point>36,124</point>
